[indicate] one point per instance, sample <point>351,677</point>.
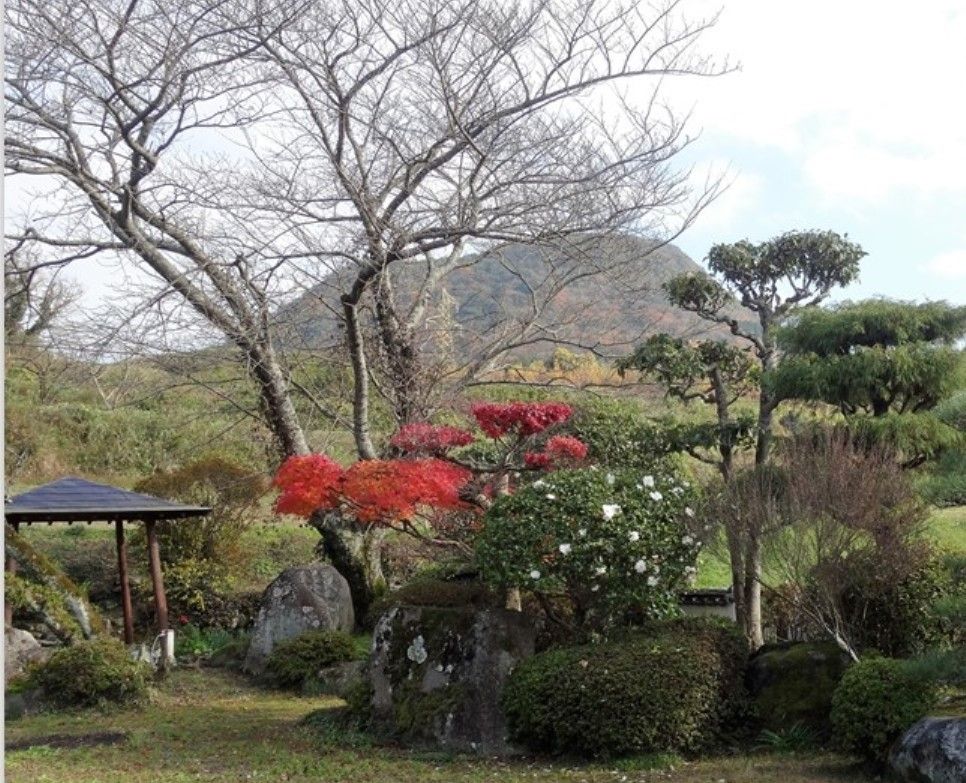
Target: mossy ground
<point>216,727</point>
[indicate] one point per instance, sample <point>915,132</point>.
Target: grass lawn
<point>947,528</point>
<point>213,726</point>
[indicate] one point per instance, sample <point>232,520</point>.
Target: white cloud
<point>863,94</point>
<point>950,265</point>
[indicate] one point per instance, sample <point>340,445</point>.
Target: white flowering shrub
<point>611,541</point>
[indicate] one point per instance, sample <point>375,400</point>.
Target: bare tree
<point>32,299</point>
<point>414,127</point>
<point>110,100</point>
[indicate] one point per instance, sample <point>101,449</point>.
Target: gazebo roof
<point>73,499</point>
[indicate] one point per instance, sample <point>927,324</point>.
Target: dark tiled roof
<point>72,498</point>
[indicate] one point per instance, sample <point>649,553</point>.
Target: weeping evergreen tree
<point>884,364</point>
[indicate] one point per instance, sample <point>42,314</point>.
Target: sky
<point>844,115</point>
<point>848,116</point>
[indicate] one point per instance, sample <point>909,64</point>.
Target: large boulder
<point>437,675</point>
<point>304,598</point>
<point>793,683</point>
<point>932,751</point>
<point>20,650</point>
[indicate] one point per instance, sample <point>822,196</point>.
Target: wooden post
<point>10,566</point>
<point>125,584</point>
<point>157,581</point>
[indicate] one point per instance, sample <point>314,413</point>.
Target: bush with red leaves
<point>519,418</point>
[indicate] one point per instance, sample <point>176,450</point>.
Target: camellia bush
<point>611,542</point>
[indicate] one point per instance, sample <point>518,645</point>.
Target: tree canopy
<point>884,364</point>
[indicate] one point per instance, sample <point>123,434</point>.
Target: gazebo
<point>72,499</point>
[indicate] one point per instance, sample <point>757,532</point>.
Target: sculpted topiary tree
<point>775,280</point>
<point>712,371</point>
<point>885,365</point>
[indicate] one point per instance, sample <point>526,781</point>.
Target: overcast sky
<point>846,115</point>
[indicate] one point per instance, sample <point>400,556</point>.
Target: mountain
<point>601,294</point>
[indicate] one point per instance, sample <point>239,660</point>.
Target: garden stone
<point>20,650</point>
<point>932,751</point>
<point>794,682</point>
<point>304,598</point>
<point>337,680</point>
<point>437,675</point>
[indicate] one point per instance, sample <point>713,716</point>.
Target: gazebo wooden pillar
<point>126,608</point>
<point>78,500</point>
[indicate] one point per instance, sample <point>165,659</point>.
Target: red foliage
<point>520,418</point>
<point>429,439</point>
<point>566,448</point>
<point>308,482</point>
<point>537,460</point>
<point>392,490</point>
<point>559,451</point>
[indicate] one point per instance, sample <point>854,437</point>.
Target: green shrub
<point>669,688</point>
<point>611,542</point>
<point>431,591</point>
<point>232,491</point>
<point>896,615</point>
<point>190,641</point>
<point>878,699</point>
<point>200,592</point>
<point>93,673</point>
<point>294,661</point>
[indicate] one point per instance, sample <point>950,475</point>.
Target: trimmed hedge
<point>877,700</point>
<point>668,688</point>
<point>295,661</point>
<point>93,673</point>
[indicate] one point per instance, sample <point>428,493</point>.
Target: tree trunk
<point>276,401</point>
<point>401,359</point>
<point>357,555</point>
<point>360,380</point>
<point>752,598</point>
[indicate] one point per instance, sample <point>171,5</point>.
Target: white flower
<point>677,490</point>
<point>600,570</point>
<point>655,495</point>
<point>690,570</point>
<point>634,536</point>
<point>595,588</point>
<point>657,569</point>
<point>582,532</point>
<point>539,484</point>
<point>551,496</point>
<point>687,540</point>
<point>610,478</point>
<point>685,484</point>
<point>689,511</point>
<point>648,481</point>
<point>534,574</point>
<point>565,549</point>
<point>610,510</point>
<point>640,566</point>
<point>652,581</point>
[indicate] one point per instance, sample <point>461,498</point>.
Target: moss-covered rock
<point>437,674</point>
<point>794,683</point>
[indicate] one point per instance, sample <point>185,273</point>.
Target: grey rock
<point>304,598</point>
<point>20,650</point>
<point>437,675</point>
<point>336,680</point>
<point>932,751</point>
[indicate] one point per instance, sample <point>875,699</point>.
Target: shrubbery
<point>296,660</point>
<point>611,542</point>
<point>670,687</point>
<point>93,673</point>
<point>878,699</point>
<point>231,491</point>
